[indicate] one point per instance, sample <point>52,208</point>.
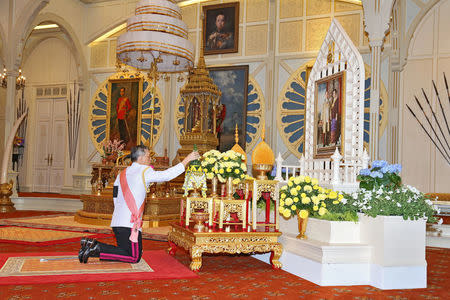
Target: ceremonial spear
<point>410,110</point>
<point>429,122</point>
<point>434,115</point>
<point>448,95</point>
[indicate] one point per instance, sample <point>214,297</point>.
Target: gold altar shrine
<point>238,230</point>
<point>162,204</point>
<point>159,211</point>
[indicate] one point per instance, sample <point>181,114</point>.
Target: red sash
<point>136,216</point>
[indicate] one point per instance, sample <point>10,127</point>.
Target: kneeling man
<point>130,189</point>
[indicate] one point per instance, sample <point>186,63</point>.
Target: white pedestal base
<point>398,277</point>
<point>49,204</point>
<point>384,252</point>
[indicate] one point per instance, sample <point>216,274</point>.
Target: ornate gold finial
<point>236,147</point>
<point>330,56</point>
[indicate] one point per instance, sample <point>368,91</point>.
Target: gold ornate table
<point>237,242</point>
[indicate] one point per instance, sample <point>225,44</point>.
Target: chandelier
<point>20,80</point>
<point>156,34</point>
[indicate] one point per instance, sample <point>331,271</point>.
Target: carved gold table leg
<point>196,258</point>
<point>277,249</point>
<point>172,248</point>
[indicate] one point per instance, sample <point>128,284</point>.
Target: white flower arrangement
<point>390,198</point>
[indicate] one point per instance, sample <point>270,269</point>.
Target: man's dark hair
<point>122,88</point>
<point>221,13</point>
<point>137,152</point>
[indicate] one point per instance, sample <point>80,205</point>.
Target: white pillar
<point>375,97</point>
<point>377,15</point>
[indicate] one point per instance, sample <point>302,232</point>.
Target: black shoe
<point>93,251</point>
<point>85,242</point>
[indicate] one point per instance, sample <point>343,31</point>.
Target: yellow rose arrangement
<point>302,194</point>
<point>224,165</point>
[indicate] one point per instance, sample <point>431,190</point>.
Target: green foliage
<point>404,201</point>
<point>340,216</point>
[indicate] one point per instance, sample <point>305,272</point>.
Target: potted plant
<point>112,150</point>
<point>393,218</point>
<point>328,219</point>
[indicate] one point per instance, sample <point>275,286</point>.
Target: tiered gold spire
<point>200,82</point>
<point>237,148</point>
<point>202,95</point>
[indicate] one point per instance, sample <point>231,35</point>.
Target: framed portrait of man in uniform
<point>329,115</point>
<point>220,28</point>
<point>124,111</point>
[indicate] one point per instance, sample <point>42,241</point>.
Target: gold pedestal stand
<point>204,141</point>
<point>237,242</point>
<point>6,204</point>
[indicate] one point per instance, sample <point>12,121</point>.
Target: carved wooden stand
<point>237,242</point>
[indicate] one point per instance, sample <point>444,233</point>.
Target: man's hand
<point>191,156</point>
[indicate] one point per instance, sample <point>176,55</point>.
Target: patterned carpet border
<point>54,241</point>
<point>161,266</point>
<point>106,230</point>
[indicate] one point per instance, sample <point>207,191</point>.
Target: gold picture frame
<point>329,115</point>
<point>123,120</point>
<point>220,32</point>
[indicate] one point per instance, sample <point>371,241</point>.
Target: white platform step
<point>438,236</point>
<point>323,263</point>
<point>49,204</point>
<point>328,264</point>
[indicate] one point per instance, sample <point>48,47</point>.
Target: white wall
<point>428,58</point>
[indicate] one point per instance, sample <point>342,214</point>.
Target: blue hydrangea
<point>397,168</point>
<point>376,174</point>
<point>388,169</point>
<point>379,163</point>
<point>364,172</point>
<point>274,171</point>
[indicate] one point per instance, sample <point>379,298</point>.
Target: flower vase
<point>112,158</point>
<point>215,182</point>
<point>229,188</point>
<point>302,219</point>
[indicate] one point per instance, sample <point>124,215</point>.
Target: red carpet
<point>163,265</point>
<point>221,277</point>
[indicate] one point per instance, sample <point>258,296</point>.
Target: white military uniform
<point>136,177</point>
